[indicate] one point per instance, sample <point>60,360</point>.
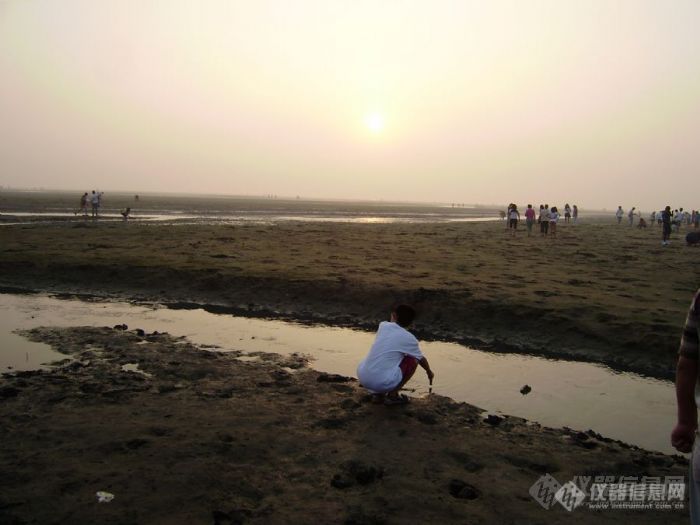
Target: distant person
<point>567,212</point>
<point>509,225</point>
<point>529,219</point>
<point>544,220</point>
<point>676,220</point>
<point>619,214</point>
<point>642,223</point>
<point>84,203</point>
<point>653,217</point>
<point>125,214</point>
<point>553,218</point>
<point>575,214</point>
<point>630,216</point>
<point>683,436</point>
<point>95,202</point>
<point>393,359</point>
<point>666,226</point>
<point>136,198</point>
<point>513,218</point>
<point>696,220</point>
<point>692,238</point>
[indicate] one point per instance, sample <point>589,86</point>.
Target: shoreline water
<point>564,394</point>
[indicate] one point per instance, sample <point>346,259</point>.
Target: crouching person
<point>393,359</point>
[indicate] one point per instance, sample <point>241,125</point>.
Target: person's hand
<point>682,437</point>
<point>430,376</point>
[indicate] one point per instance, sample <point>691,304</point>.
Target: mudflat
<point>598,292</point>
<point>179,434</point>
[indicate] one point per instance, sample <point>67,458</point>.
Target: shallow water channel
<point>624,406</point>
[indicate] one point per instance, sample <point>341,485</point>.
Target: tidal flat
<point>181,434</point>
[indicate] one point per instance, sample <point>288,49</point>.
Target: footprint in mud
<point>356,472</point>
<point>462,490</point>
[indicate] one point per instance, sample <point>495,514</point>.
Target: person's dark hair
<point>404,315</point>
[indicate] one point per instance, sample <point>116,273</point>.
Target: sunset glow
<point>375,122</point>
<point>484,101</point>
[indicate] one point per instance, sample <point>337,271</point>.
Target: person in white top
<point>544,220</point>
<point>553,218</point>
<point>513,218</point>
<point>95,202</point>
<point>618,214</point>
<point>392,359</point>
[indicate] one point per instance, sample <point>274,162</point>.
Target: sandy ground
<point>196,436</point>
<point>598,292</point>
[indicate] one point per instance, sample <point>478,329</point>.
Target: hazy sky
<point>590,101</point>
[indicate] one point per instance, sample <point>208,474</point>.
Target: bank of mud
<point>182,434</point>
<point>443,315</point>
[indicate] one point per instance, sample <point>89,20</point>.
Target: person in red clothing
<point>529,219</point>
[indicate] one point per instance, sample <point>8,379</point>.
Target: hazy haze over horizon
<point>595,103</point>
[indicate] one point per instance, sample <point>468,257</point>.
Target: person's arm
<point>683,434</point>
<point>426,366</point>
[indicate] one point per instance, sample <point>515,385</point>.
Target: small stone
<point>525,390</point>
<point>493,420</point>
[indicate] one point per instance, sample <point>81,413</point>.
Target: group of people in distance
<point>547,218</point>
<point>94,200</point>
<point>668,220</point>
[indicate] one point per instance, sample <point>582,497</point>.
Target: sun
<point>375,122</point>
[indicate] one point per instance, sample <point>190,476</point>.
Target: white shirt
<point>379,372</point>
<point>553,216</point>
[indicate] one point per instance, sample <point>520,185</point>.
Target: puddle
<point>623,406</point>
<point>248,358</point>
<point>134,369</point>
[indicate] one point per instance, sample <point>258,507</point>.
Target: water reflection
<point>624,406</point>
